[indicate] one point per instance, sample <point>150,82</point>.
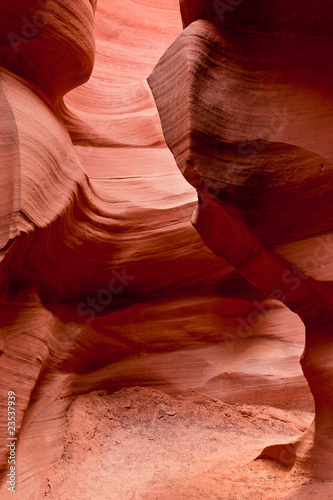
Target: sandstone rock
<point>246,116</point>
<point>104,282</point>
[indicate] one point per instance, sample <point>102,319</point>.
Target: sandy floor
<point>140,444</point>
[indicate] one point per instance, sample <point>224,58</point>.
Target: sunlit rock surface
<point>245,99</point>
<point>104,282</point>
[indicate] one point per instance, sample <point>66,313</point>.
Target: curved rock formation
<point>248,119</point>
<point>49,43</point>
<point>88,231</point>
<point>104,283</point>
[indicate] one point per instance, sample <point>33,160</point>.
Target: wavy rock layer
<point>48,43</point>
<point>104,282</point>
<point>249,123</point>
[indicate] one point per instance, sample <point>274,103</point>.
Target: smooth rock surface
<point>104,282</point>
<point>248,120</point>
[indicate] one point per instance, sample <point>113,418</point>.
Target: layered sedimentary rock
<point>106,221</point>
<point>49,43</point>
<point>245,99</point>
<point>104,282</point>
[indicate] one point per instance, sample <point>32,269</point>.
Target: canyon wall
<point>245,99</point>
<point>105,283</point>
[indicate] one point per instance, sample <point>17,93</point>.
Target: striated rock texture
<point>104,283</point>
<point>97,252</point>
<point>245,100</point>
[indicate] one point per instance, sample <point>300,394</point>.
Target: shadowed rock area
<point>106,284</point>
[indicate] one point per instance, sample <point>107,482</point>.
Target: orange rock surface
<point>104,282</point>
<point>249,121</point>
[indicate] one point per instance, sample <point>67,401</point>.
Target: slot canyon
<point>166,249</point>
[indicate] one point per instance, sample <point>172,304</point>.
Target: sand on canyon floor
<point>141,444</point>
